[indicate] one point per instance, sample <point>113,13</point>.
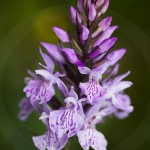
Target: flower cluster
<point>86,77</point>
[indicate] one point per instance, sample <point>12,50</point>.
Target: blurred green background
<point>23,24</point>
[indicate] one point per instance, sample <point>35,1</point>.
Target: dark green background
<point>23,24</point>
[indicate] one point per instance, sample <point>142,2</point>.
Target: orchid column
<point>86,77</point>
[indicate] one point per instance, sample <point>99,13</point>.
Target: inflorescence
<point>86,77</point>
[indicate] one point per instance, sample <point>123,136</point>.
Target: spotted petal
<point>39,90</point>
<point>93,138</point>
<point>92,90</point>
<point>50,141</point>
<point>66,119</point>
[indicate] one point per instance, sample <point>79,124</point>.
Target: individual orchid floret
<point>103,47</point>
<point>102,26</point>
<point>92,89</point>
<point>69,118</point>
<point>105,35</point>
<point>72,56</point>
<point>92,12</point>
<point>80,5</point>
<point>42,89</point>
<point>62,35</point>
<point>54,51</point>
<point>114,92</point>
<point>49,140</point>
<point>105,7</point>
<point>75,15</point>
<point>84,34</point>
<point>89,136</point>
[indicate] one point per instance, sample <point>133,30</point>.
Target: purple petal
<point>40,142</point>
<point>31,87</point>
<point>84,70</point>
<point>109,110</point>
<point>49,140</point>
<point>77,124</point>
<point>114,72</point>
<point>46,93</point>
<point>105,23</point>
<point>92,12</point>
<point>118,55</point>
<point>62,35</point>
<point>121,115</point>
<point>25,109</point>
<point>64,120</point>
<point>80,5</point>
<point>93,138</point>
<point>105,35</point>
<point>119,78</point>
<point>102,68</point>
<point>104,47</point>
<point>62,87</point>
<point>54,52</point>
<point>48,61</point>
<point>122,85</point>
<point>72,93</point>
<point>85,33</point>
<point>104,9</point>
<point>39,90</point>
<point>72,57</point>
<point>74,14</point>
<point>102,26</point>
<point>99,2</point>
<point>45,73</point>
<point>98,141</point>
<point>121,101</point>
<point>53,121</point>
<point>92,90</point>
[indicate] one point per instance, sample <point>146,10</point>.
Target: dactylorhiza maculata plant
<point>85,76</point>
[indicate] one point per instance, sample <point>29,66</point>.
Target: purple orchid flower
<point>49,140</point>
<point>89,136</point>
<point>114,92</point>
<point>42,89</point>
<point>92,89</point>
<point>69,118</point>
